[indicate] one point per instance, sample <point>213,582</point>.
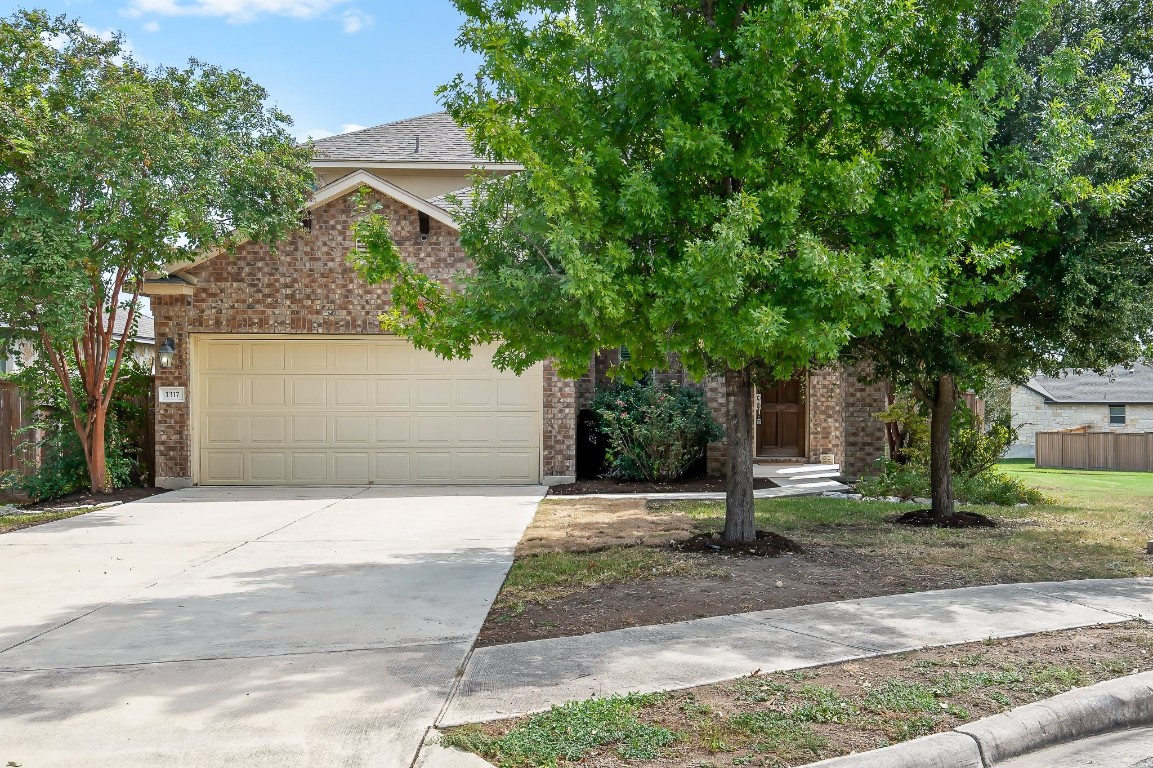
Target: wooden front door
<point>781,418</point>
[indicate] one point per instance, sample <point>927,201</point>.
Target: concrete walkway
<point>251,627</point>
<point>519,678</point>
<point>791,480</point>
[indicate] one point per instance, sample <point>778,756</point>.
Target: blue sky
<point>333,65</point>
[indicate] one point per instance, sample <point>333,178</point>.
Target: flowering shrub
<point>654,433</point>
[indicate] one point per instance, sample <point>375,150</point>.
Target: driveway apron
<point>247,626</point>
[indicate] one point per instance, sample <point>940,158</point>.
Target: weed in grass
<point>822,705</point>
<point>900,696</point>
<point>757,689</point>
<point>1049,681</point>
<point>571,732</point>
<point>903,729</point>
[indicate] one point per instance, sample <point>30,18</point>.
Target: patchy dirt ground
<point>580,525</point>
<point>793,718</point>
<point>689,485</point>
<point>819,575</point>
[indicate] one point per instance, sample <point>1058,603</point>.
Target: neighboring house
<point>288,379</point>
<point>143,345</point>
<point>1119,401</point>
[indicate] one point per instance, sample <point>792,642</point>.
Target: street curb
<point>1113,705</point>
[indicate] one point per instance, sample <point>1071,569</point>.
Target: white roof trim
<point>337,189</point>
<point>356,179</point>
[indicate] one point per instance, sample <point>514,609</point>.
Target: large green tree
<point>1070,283</point>
<point>693,175</point>
<point>110,169</point>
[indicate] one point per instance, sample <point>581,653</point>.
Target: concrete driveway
<point>247,626</point>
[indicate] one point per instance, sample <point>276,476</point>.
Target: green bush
<point>62,469</point>
<point>655,433</point>
<point>975,451</point>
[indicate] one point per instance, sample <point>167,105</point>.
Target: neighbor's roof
<point>145,327</point>
<point>1118,385</point>
<point>432,138</point>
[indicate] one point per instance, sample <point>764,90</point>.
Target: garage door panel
<point>350,357</point>
<point>266,356</point>
<point>267,429</point>
<point>359,410</point>
<point>393,467</point>
<point>517,465</point>
<point>267,392</point>
<point>224,356</point>
<point>515,394</point>
<point>270,468</point>
<point>309,467</point>
<point>351,393</point>
<point>219,466</point>
<point>310,429</point>
<point>393,393</point>
<point>224,392</point>
<point>308,356</point>
<point>433,429</point>
<point>433,467</point>
<point>432,393</point>
<point>225,428</point>
<point>351,429</point>
<point>392,429</point>
<point>351,468</point>
<point>309,392</point>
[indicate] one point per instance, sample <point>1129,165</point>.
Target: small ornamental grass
<point>655,433</point>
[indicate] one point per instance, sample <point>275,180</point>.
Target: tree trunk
<point>97,467</point>
<point>940,447</point>
<point>740,517</point>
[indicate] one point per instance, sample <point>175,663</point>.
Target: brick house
<point>282,375</point>
<point>1121,400</point>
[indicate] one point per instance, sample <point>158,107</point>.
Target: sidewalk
<point>509,680</point>
<point>791,480</point>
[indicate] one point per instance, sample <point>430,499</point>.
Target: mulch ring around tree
<point>768,544</point>
<point>688,485</point>
<point>924,518</point>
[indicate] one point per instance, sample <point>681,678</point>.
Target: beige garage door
<point>347,411</point>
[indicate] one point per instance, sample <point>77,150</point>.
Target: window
<point>1116,414</point>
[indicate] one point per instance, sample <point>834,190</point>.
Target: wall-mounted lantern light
<point>166,355</point>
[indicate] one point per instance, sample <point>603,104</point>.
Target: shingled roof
<point>432,138</point>
<point>1118,385</point>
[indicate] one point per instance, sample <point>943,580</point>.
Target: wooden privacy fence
<point>1130,451</point>
<point>15,416</point>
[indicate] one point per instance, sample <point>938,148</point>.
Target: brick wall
<point>865,439</point>
<point>560,414</point>
<point>825,406</point>
<point>306,286</point>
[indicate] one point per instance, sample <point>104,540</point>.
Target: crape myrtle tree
<point>1059,275</point>
<point>109,170</point>
<point>690,170</point>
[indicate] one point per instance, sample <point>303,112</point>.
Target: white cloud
<point>233,10</point>
<point>315,133</point>
<point>356,20</point>
<point>151,26</point>
<point>350,127</point>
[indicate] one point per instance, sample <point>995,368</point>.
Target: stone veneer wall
<point>307,286</point>
<point>1031,414</point>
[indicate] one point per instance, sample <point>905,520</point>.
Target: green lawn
<point>17,520</point>
<point>1096,488</point>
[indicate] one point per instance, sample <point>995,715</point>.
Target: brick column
<point>173,420</point>
<point>560,416</point>
<point>824,401</point>
<point>865,439</point>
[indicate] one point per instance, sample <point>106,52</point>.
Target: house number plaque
<point>170,395</point>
